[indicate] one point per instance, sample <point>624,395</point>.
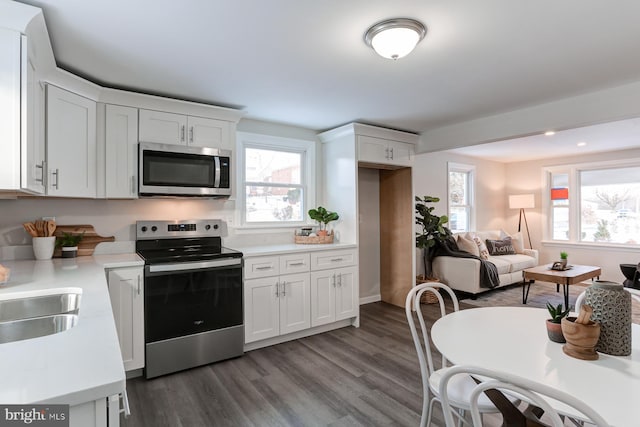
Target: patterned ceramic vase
<point>612,309</point>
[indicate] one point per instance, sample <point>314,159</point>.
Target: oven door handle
<point>198,265</point>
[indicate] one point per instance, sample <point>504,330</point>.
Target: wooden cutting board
<point>89,241</point>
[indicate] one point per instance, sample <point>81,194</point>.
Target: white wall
<point>527,177</point>
<point>369,233</point>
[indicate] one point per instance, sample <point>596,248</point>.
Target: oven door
<point>177,170</point>
<point>192,297</point>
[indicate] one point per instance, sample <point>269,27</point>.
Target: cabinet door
<point>71,144</point>
<point>164,128</point>
<point>121,163</point>
<point>205,132</point>
<point>295,303</point>
<point>32,168</point>
<point>10,93</point>
<point>323,295</point>
<point>261,309</point>
<point>373,150</point>
<point>347,299</point>
<point>401,153</point>
<point>126,291</point>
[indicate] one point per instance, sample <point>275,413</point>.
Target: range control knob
<point>154,228</point>
<point>215,226</point>
<point>143,229</point>
<point>207,227</point>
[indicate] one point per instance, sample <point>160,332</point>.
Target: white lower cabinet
<point>103,412</point>
<point>334,296</point>
<point>126,290</point>
<point>276,306</point>
<point>293,292</point>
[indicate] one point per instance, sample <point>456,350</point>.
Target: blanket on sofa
<point>488,272</point>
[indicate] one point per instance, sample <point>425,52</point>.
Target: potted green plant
<point>563,259</point>
<point>68,243</point>
<point>323,217</point>
<point>432,231</point>
<point>554,326</point>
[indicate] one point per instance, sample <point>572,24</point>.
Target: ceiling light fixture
<point>395,38</point>
<point>549,133</point>
<point>581,144</point>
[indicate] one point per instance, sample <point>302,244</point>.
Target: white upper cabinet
<point>384,152</point>
<point>171,128</point>
<point>121,152</point>
<point>71,144</point>
<point>21,116</point>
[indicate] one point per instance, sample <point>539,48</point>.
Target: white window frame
<point>470,171</point>
<point>307,175</point>
<point>573,170</point>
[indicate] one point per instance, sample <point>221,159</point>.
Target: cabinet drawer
<point>261,267</point>
<point>294,263</point>
<point>333,259</point>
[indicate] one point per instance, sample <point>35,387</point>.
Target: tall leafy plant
<point>432,230</point>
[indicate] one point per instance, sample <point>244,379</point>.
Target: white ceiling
<point>617,135</point>
<point>304,62</point>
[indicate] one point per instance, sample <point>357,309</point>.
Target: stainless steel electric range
<point>193,297</point>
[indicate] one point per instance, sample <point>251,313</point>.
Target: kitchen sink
<point>67,302</point>
<point>18,330</point>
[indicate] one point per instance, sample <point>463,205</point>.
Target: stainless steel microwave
<point>182,171</point>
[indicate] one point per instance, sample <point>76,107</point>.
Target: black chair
<point>632,273</point>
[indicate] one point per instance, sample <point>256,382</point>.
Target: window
<point>461,182</point>
<point>277,179</point>
<point>595,203</point>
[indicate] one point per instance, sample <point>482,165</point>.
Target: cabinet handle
<point>296,264</point>
<point>42,168</point>
<point>182,133</point>
<point>336,259</point>
<point>133,184</point>
<point>191,134</point>
<point>392,154</point>
<point>340,280</point>
<point>277,289</point>
<point>268,267</point>
<point>386,153</point>
<point>57,175</point>
<point>126,410</point>
<point>284,289</point>
<point>333,281</point>
<point>138,284</point>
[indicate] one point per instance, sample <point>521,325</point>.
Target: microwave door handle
<point>216,183</point>
<point>184,266</point>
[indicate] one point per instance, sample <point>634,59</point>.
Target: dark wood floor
<point>365,376</point>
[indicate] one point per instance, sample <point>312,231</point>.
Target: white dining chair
<point>460,388</point>
<point>528,391</point>
<point>635,294</point>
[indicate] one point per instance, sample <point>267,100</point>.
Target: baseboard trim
<point>370,299</point>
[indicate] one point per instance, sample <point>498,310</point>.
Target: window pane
<point>458,219</point>
<point>272,166</point>
<point>560,223</point>
<point>609,205</point>
<point>264,203</point>
<point>458,194</point>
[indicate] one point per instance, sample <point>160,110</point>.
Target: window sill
<point>269,228</point>
<point>591,245</point>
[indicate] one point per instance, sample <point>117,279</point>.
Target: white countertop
<point>261,250</point>
<point>75,366</point>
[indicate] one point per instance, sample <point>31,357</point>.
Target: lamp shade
<point>522,201</point>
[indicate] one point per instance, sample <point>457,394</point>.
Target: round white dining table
<point>514,340</point>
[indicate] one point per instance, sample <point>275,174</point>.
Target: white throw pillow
<point>516,240</point>
<point>468,245</point>
<point>482,247</point>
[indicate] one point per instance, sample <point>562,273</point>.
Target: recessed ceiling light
<point>549,133</point>
<point>581,144</point>
<point>395,38</point>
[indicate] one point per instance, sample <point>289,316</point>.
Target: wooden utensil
<point>585,314</point>
<point>51,227</point>
<point>40,227</point>
<point>30,228</point>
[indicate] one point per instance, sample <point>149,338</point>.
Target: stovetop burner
<point>182,241</point>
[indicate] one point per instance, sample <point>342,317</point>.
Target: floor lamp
<point>522,202</point>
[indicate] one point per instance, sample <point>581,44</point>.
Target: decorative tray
<point>314,240</point>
